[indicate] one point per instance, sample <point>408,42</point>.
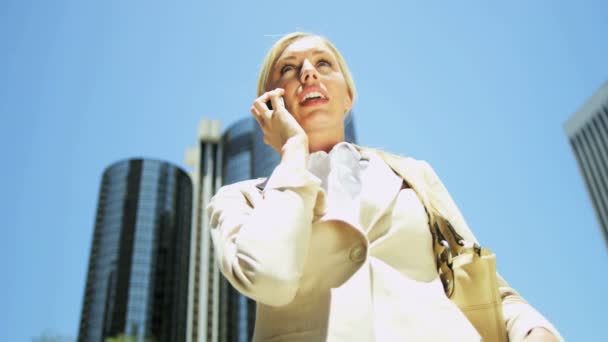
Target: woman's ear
<point>348,103</point>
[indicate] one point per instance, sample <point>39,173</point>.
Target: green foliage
<point>121,338</point>
<point>127,338</point>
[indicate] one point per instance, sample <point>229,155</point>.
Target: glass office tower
<point>237,312</point>
<point>587,131</point>
<point>137,279</point>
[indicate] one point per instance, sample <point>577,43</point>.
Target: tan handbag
<point>468,274</point>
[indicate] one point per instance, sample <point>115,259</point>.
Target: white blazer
<point>319,274</point>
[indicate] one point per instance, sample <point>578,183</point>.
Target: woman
<point>334,246</point>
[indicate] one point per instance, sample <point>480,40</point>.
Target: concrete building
<point>587,131</point>
<point>204,284</point>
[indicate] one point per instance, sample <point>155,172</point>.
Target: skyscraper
<point>137,278</point>
<point>204,284</point>
<point>238,154</point>
<point>217,312</point>
<point>241,156</point>
<point>587,131</point>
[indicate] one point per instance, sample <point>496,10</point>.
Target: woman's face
<point>316,93</point>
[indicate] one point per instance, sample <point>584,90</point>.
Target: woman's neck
<point>324,140</point>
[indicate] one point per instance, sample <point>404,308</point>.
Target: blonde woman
<point>334,245</point>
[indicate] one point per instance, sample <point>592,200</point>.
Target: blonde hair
<point>280,45</point>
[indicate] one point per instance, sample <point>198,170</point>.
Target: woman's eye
<point>323,62</point>
<point>286,68</point>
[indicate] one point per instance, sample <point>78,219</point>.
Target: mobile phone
<point>269,103</point>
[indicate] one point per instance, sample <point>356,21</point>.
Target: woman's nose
<point>308,73</point>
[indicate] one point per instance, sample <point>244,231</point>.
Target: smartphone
<point>269,103</point>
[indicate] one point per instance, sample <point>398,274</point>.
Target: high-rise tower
<point>587,131</point>
<point>137,279</point>
<point>237,311</point>
<point>205,158</point>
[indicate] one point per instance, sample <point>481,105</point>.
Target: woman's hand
<point>540,335</point>
<point>278,125</point>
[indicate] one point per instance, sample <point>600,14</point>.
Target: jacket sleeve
<point>261,237</point>
<point>520,317</point>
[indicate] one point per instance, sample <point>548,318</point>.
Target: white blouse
<point>340,172</point>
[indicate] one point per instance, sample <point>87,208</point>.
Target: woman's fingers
<point>276,98</point>
<point>256,115</point>
<point>260,107</point>
<point>277,124</point>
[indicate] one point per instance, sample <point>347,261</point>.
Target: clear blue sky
<point>480,91</point>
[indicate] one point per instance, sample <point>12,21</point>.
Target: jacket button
<point>357,254</point>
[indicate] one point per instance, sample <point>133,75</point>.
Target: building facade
<point>205,159</point>
<point>238,154</point>
<point>587,132</point>
<point>137,278</point>
<point>240,160</point>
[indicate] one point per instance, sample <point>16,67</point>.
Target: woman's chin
<point>319,119</point>
<point>318,126</point>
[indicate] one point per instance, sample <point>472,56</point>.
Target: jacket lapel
<point>380,186</point>
<point>409,170</point>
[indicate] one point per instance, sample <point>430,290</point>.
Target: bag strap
<point>447,243</point>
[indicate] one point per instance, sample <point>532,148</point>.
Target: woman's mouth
<point>313,98</point>
<point>314,102</point>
